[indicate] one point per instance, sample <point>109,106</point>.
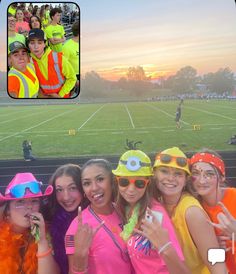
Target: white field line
<point>219,106</point>
<point>117,132</point>
<point>166,113</point>
<point>130,117</point>
<point>14,112</point>
<point>39,124</point>
<point>26,109</point>
<point>212,113</point>
<point>21,117</point>
<point>112,130</point>
<point>91,117</point>
<point>32,112</point>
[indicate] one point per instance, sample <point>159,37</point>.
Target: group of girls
<point>137,218</point>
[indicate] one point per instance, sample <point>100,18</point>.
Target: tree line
<point>136,83</point>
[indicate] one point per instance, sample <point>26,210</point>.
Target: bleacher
<point>67,23</point>
<point>43,168</point>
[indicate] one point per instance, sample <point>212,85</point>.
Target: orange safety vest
<point>55,77</point>
<point>28,88</point>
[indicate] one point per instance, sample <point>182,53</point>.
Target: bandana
<point>209,158</point>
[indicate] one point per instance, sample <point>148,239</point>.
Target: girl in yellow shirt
<point>195,234</point>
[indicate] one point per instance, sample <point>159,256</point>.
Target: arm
<point>78,262</point>
<point>159,237</point>
<point>203,236</point>
<point>70,77</point>
<point>55,41</point>
<point>46,262</point>
<point>13,86</point>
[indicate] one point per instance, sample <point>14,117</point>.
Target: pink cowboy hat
<point>23,186</point>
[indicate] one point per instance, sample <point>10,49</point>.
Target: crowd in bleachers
<point>42,61</point>
<point>194,95</point>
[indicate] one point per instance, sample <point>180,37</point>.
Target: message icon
<point>216,255</point>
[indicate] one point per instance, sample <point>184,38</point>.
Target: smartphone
<point>156,214</point>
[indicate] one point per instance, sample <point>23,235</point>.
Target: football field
<point>102,129</point>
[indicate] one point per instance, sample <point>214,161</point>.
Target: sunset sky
<point>162,36</point>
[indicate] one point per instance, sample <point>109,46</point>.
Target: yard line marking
<point>91,117</point>
<point>131,120</point>
<point>212,113</point>
<point>166,113</point>
<point>219,106</point>
<point>21,117</point>
<point>14,112</point>
<point>169,130</point>
<point>119,132</point>
<point>39,124</point>
<point>213,128</point>
<point>91,134</point>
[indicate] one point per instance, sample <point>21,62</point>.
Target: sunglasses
<point>18,191</point>
<point>139,183</point>
<point>166,159</point>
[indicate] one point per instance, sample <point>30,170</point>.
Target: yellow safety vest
<point>28,88</point>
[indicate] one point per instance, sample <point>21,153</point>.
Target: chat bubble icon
<point>216,255</point>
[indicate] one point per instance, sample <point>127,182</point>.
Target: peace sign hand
<point>84,235</point>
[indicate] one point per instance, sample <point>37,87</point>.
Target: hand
<point>227,223</point>
<point>222,242</point>
<point>84,235</point>
<point>153,231</point>
<point>36,219</point>
<point>54,95</point>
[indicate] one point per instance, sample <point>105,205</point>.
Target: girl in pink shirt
<point>148,231</point>
<point>22,26</point>
<point>93,242</point>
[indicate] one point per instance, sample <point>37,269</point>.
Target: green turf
<point>101,129</point>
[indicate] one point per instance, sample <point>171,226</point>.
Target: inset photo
<point>43,50</point>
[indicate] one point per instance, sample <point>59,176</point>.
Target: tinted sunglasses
<point>139,183</point>
<point>18,191</point>
<point>166,159</point>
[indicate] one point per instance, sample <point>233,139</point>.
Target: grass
<point>101,129</point>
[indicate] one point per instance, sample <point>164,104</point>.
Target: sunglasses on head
<point>139,183</point>
<point>18,191</point>
<point>166,159</point>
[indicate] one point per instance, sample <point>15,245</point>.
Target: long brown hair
<point>145,202</point>
<point>70,170</point>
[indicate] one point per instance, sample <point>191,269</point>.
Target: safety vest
<point>28,88</point>
<point>55,77</point>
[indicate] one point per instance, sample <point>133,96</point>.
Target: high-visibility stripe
<point>51,87</point>
<point>27,93</point>
<point>56,66</point>
<point>31,66</point>
<point>22,78</point>
<point>58,72</point>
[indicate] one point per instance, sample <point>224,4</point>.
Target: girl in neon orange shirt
<point>208,176</point>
